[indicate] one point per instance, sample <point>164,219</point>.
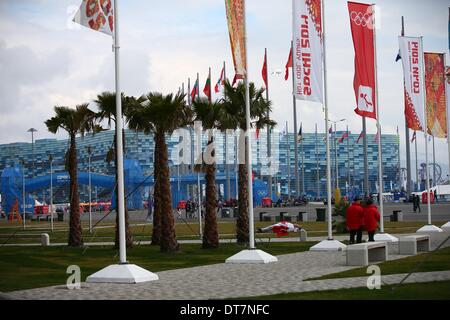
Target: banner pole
<point>408,149</point>
<point>269,152</point>
<point>427,182</point>
<point>330,230</point>
<point>380,157</point>
<point>294,103</point>
<point>199,186</point>
<point>119,127</point>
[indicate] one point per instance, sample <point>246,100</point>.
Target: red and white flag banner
<point>97,15</point>
<point>307,58</point>
<point>412,60</point>
<point>447,90</point>
<point>362,26</point>
<point>236,30</point>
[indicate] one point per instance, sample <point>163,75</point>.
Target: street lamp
<point>32,130</point>
<point>89,150</point>
<point>335,151</point>
<point>50,159</point>
<point>23,194</point>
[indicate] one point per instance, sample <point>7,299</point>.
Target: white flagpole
<point>425,134</point>
<point>249,151</point>
<point>330,210</point>
<point>382,236</point>
<point>429,227</point>
<point>199,186</point>
<point>330,244</point>
<point>380,159</point>
<point>119,127</point>
<point>252,255</point>
<point>122,272</point>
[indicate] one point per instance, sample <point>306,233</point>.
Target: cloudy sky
<point>47,60</point>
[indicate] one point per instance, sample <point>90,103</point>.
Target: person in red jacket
<point>354,220</point>
<point>371,218</point>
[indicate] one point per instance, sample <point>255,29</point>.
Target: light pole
<point>23,194</point>
<point>89,150</point>
<point>32,130</point>
<point>50,159</point>
<point>335,152</point>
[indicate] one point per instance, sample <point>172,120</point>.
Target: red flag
<point>361,23</point>
<point>264,70</point>
<point>194,91</point>
<point>288,65</point>
<point>236,78</point>
<point>207,88</point>
<point>220,81</point>
<point>413,137</point>
<point>344,136</point>
<point>361,135</point>
<point>330,130</point>
<point>257,133</point>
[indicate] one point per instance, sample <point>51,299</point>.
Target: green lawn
<point>414,291</point>
<point>32,267</point>
<point>437,261</point>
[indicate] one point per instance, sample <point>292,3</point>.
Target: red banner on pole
<point>435,94</point>
<point>362,26</point>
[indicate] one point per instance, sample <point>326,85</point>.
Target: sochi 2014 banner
<point>435,93</point>
<point>307,59</point>
<point>236,30</point>
<point>362,26</point>
<point>412,60</point>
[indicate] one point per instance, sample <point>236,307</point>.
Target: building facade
<point>312,159</point>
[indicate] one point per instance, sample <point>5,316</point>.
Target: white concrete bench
<point>409,245</point>
<point>362,253</point>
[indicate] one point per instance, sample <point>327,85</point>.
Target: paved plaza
<point>220,281</point>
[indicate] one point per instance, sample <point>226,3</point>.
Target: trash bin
<point>281,217</point>
<point>60,216</point>
<point>226,213</point>
<point>262,216</point>
<point>302,216</point>
<point>320,214</point>
<point>396,216</point>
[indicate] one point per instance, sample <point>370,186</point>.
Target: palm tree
<point>137,120</point>
<point>106,103</point>
<point>161,115</point>
<point>74,121</point>
<point>233,117</point>
<point>208,113</point>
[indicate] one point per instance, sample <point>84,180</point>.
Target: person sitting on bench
<point>282,228</point>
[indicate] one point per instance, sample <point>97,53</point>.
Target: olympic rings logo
<point>362,19</point>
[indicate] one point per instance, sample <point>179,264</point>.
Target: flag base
<point>251,256</point>
<point>446,227</point>
<point>386,237</point>
<point>122,273</point>
<point>429,228</point>
<point>328,245</point>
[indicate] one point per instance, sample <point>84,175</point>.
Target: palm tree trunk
<point>156,230</point>
<point>242,220</point>
<point>76,232</point>
<point>210,235</point>
<point>168,238</point>
<point>242,236</point>
<point>128,235</point>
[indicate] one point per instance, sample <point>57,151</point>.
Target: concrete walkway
<point>221,281</point>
